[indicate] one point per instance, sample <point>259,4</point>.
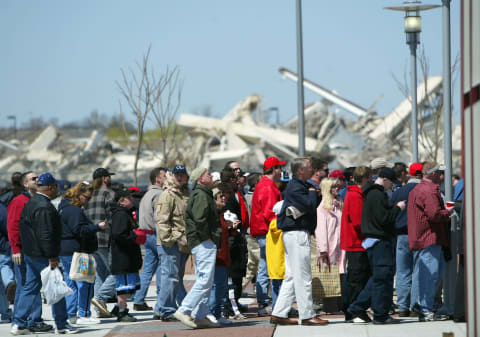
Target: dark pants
<point>378,292</point>
<point>459,311</point>
<point>358,273</point>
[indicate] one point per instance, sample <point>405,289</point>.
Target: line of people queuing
<point>240,228</point>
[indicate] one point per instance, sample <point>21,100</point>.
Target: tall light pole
<point>447,100</point>
<point>14,119</point>
<point>413,27</point>
<point>301,116</point>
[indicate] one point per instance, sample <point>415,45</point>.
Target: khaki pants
<point>253,260</point>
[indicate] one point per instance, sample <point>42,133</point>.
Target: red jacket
<point>265,196</point>
<point>14,210</point>
<point>351,230</point>
<point>428,220</point>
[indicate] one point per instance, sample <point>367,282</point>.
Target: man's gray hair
<point>297,164</point>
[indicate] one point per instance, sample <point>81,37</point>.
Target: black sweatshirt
<point>378,217</point>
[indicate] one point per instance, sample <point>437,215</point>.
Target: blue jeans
<point>405,287</point>
<point>36,310</point>
<point>78,302</point>
<point>429,266</point>
<point>172,290</point>
<point>151,266</point>
<point>378,292</point>
<point>6,269</point>
<point>263,281</point>
<point>104,280</point>
<point>31,290</point>
<point>196,301</point>
<point>218,295</point>
<point>276,284</point>
<point>5,312</point>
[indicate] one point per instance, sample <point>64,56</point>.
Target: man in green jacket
<point>203,238</point>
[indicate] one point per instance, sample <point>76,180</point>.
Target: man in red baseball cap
<point>265,196</point>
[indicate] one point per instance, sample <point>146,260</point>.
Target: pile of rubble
<point>240,136</point>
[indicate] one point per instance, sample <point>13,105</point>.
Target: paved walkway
<point>253,326</point>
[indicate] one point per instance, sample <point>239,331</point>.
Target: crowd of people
<point>359,231</point>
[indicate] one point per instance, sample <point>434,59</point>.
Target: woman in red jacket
<point>358,268</point>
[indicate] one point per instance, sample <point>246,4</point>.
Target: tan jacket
<point>170,216</point>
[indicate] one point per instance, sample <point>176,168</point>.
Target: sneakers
<point>185,319</point>
<point>141,307</point>
<point>266,310</point>
<point>102,308</point>
<point>404,313</point>
<point>242,308</point>
<point>16,330</point>
<point>205,323</point>
<point>361,318</point>
<point>72,320</point>
<point>87,321</point>
<point>389,320</point>
<point>431,316</point>
<point>237,317</point>
<point>10,291</point>
<point>223,321</point>
<point>67,330</point>
<point>115,311</point>
<point>40,327</point>
<point>124,316</point>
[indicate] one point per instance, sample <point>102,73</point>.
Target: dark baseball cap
<point>46,179</point>
<point>387,172</point>
<point>101,172</point>
<point>123,193</point>
<point>179,169</point>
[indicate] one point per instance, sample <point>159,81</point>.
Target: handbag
<point>83,267</point>
<point>325,280</point>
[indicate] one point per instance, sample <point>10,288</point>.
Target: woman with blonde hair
<point>79,234</point>
<point>327,233</point>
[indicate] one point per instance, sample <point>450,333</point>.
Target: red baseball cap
<point>271,162</point>
<point>336,174</point>
<point>415,168</point>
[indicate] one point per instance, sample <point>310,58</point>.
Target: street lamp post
<point>14,119</point>
<point>413,27</point>
<point>447,100</point>
<point>301,116</point>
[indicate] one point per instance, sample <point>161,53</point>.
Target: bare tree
<point>142,91</point>
<point>165,113</point>
<point>430,123</point>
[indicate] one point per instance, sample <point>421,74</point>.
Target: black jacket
<point>298,195</point>
<point>40,228</point>
<point>378,217</point>
<point>4,243</point>
<point>237,242</point>
<point>125,252</point>
<point>79,234</point>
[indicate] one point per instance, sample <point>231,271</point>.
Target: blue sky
<point>60,59</point>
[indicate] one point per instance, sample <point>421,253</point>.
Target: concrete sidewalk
<point>253,326</point>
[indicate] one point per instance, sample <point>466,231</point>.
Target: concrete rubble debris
<point>348,139</point>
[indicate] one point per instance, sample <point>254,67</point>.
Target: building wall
<point>470,35</point>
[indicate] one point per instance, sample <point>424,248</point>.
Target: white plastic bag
<point>54,288</point>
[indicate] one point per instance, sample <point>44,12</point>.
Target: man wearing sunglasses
<point>320,171</point>
<point>15,208</point>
